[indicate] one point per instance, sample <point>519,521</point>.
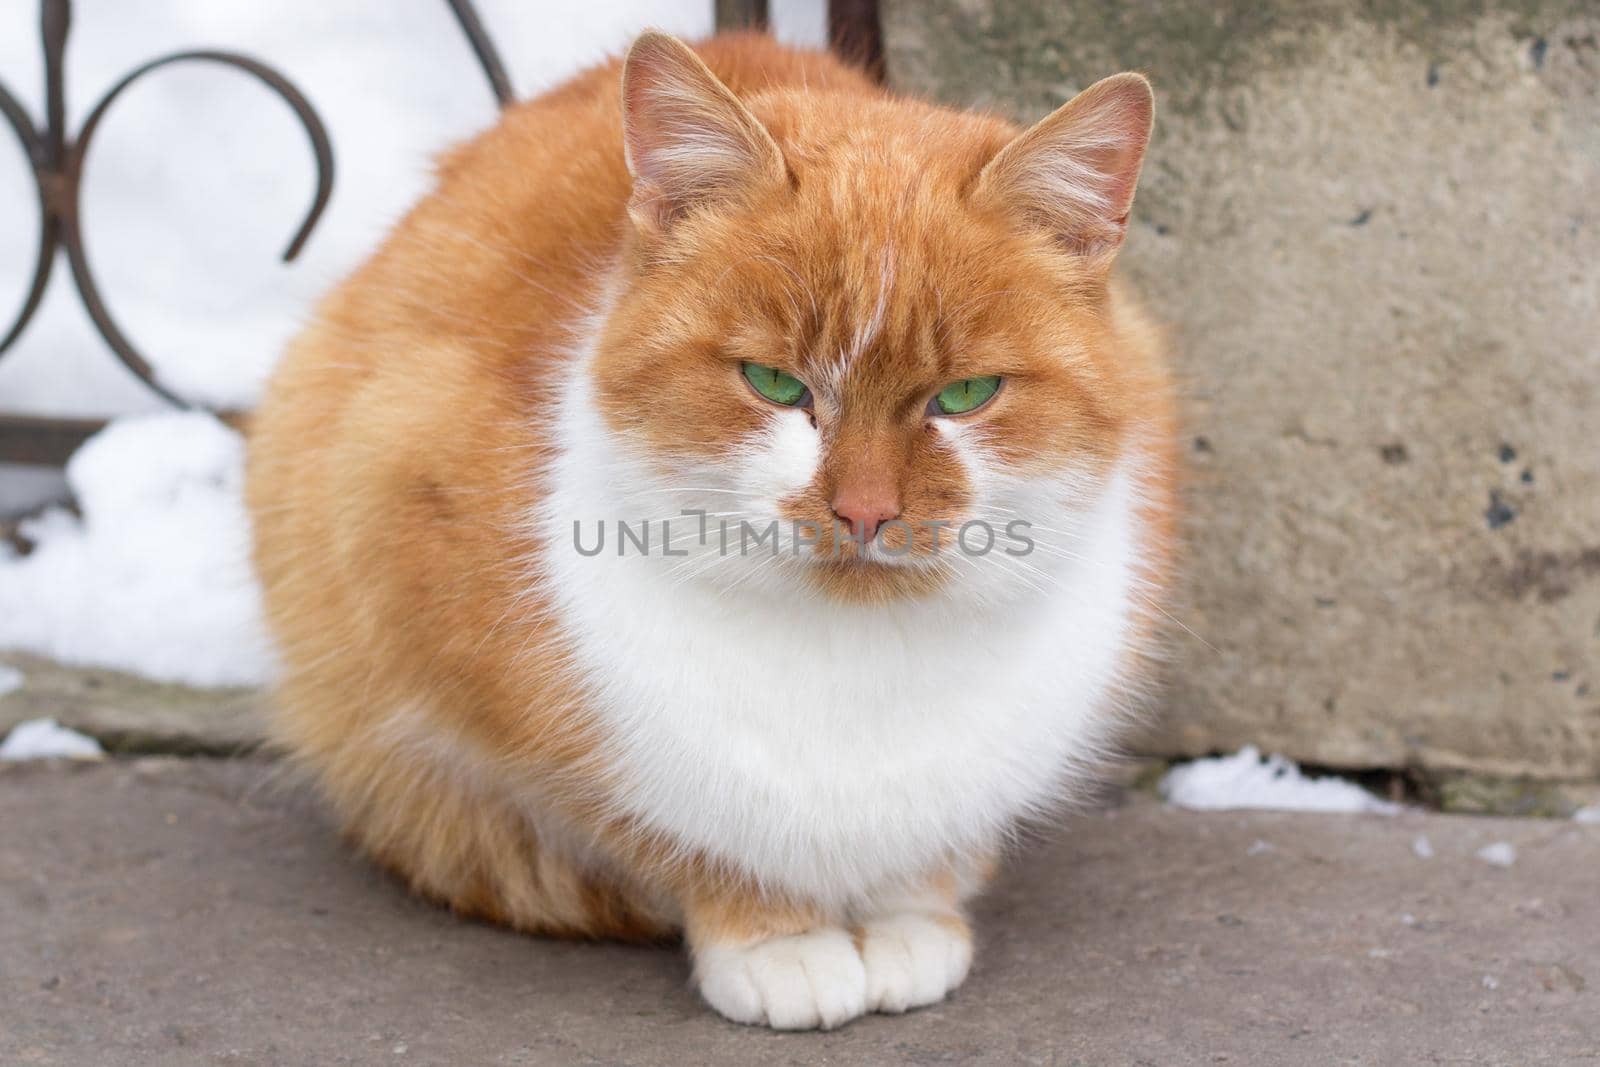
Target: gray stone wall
<point>1374,231</point>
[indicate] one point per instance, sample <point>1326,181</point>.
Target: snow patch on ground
<point>1500,854</point>
<point>47,739</point>
<point>1246,779</point>
<point>1422,847</point>
<point>155,577</point>
<point>10,679</point>
<point>1589,814</point>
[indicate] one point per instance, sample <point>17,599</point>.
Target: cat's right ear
<point>1073,173</point>
<point>689,142</point>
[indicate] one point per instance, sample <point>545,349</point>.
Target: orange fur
<point>395,454</point>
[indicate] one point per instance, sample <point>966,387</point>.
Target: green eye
<point>969,394</point>
<point>775,385</point>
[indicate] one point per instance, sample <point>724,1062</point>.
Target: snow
<point>10,678</point>
<point>1500,854</point>
<point>1246,779</point>
<point>154,578</point>
<point>1422,847</point>
<point>47,739</point>
<point>1588,814</point>
<point>802,22</point>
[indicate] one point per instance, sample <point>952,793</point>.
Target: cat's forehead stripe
<point>870,318</point>
<point>868,333</point>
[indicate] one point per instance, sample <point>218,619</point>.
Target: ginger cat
<point>793,350</point>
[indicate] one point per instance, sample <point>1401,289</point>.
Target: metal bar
<point>855,32</point>
<point>44,442</point>
<point>49,440</point>
<point>741,15</point>
<point>49,226</point>
<point>55,21</point>
<point>483,47</point>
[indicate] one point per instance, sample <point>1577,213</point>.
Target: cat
<point>686,302</point>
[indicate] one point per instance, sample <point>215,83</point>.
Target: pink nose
<point>865,508</point>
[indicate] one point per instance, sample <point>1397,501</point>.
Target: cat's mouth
<point>873,578</point>
<point>899,549</point>
<point>897,564</point>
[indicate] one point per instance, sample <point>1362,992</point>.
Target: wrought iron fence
<point>57,158</point>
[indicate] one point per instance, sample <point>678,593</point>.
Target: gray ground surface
<point>165,911</point>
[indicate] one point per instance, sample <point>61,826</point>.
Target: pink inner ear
<point>656,87</point>
<point>1076,170</point>
<point>1126,118</point>
<point>688,139</point>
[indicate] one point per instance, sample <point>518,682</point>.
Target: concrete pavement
<point>164,911</point>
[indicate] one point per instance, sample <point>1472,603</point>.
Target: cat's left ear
<point>689,141</point>
<point>1075,170</point>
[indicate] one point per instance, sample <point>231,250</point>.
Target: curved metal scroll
<point>58,165</point>
<point>72,236</point>
<point>483,47</point>
<point>49,227</point>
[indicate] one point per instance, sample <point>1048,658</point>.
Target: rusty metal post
<point>855,32</point>
<point>741,15</point>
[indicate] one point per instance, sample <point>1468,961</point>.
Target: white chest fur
<point>827,749</point>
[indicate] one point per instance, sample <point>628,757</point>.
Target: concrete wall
<point>1374,229</point>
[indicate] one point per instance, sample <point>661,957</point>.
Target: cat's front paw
<point>913,958</point>
<point>802,982</point>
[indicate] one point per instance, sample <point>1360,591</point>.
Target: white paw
<point>913,958</point>
<point>803,982</point>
